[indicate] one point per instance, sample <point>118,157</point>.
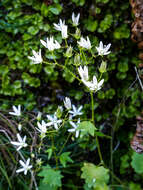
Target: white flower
<point>17,111</point>
<point>62,27</point>
<point>76,111</point>
<point>25,166</point>
<point>75,19</point>
<point>21,142</point>
<point>103,49</point>
<point>74,128</point>
<point>85,43</point>
<point>36,58</point>
<point>53,121</point>
<point>94,85</point>
<point>42,128</point>
<point>67,103</point>
<point>83,73</point>
<point>50,44</point>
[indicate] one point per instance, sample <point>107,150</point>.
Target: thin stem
<point>84,57</point>
<point>64,143</point>
<point>64,68</point>
<point>53,149</point>
<point>66,43</point>
<point>97,141</point>
<point>92,106</point>
<point>140,82</point>
<point>100,77</point>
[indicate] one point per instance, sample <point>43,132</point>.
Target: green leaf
<point>86,127</point>
<point>122,32</point>
<point>95,176</point>
<point>90,24</point>
<point>64,158</point>
<point>55,9</point>
<point>50,176</point>
<point>33,30</point>
<point>44,10</point>
<point>106,23</point>
<point>44,186</point>
<point>123,65</point>
<point>49,151</point>
<point>137,162</point>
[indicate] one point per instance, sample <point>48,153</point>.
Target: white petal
<point>20,170</point>
<point>22,163</point>
<point>43,43</point>
<point>71,130</point>
<point>14,108</point>
<point>101,45</point>
<point>15,143</point>
<point>77,134</point>
<point>100,83</point>
<point>19,137</point>
<point>95,80</point>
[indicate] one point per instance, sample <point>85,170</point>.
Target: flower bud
<point>77,60</point>
<point>19,126</point>
<point>102,68</point>
<point>59,111</point>
<point>69,52</point>
<point>39,116</point>
<point>67,103</point>
<point>77,34</point>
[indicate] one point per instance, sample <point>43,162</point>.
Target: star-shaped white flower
<point>76,111</point>
<point>94,85</point>
<point>36,58</point>
<point>83,73</point>
<point>74,128</point>
<point>85,43</point>
<point>62,27</point>
<point>42,128</point>
<point>103,49</point>
<point>20,143</point>
<point>50,44</point>
<point>17,111</point>
<point>67,103</point>
<point>25,166</point>
<point>75,19</point>
<point>53,121</point>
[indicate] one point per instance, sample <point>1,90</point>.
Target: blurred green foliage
<point>23,23</point>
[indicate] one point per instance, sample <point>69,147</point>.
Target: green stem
<point>53,149</point>
<point>92,106</point>
<point>84,57</point>
<point>66,43</point>
<point>65,68</point>
<point>64,143</point>
<point>97,141</point>
<point>100,77</point>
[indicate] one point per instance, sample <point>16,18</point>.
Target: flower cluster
<point>52,44</point>
<point>72,113</point>
<point>21,143</point>
<point>93,85</point>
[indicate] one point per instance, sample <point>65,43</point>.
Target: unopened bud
<point>77,34</point>
<point>39,116</point>
<point>59,111</point>
<point>19,127</point>
<point>69,52</point>
<point>77,60</point>
<point>102,68</point>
